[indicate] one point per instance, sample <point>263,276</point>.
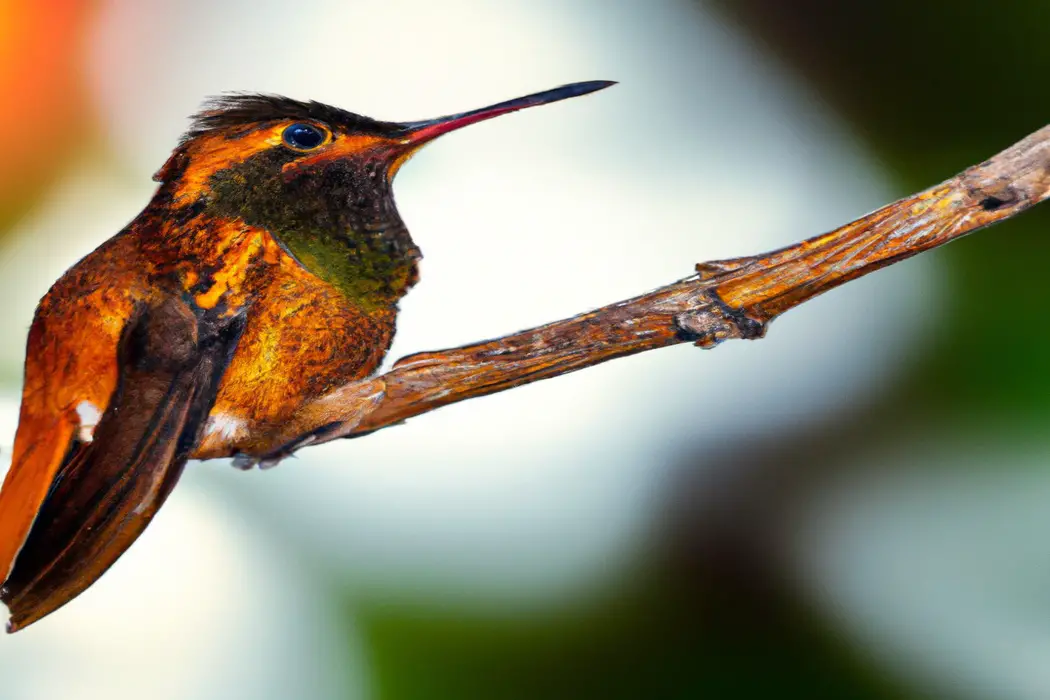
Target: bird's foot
<point>246,462</point>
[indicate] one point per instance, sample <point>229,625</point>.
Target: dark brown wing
<point>107,491</point>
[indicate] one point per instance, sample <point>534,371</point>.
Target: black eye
<point>303,137</point>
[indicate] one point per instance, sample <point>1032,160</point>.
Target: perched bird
<point>264,274</point>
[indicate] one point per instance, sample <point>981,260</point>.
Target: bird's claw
<point>246,462</point>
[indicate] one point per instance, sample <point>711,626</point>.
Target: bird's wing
<point>105,492</point>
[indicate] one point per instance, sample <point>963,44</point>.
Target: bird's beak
<point>418,133</point>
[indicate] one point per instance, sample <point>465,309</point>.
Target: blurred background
<point>853,509</point>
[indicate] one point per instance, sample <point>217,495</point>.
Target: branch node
<point>1000,198</point>
<point>747,328</point>
<point>712,269</point>
<point>716,322</point>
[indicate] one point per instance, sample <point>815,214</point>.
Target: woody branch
<point>723,300</point>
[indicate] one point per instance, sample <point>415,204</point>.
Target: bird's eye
<point>304,137</point>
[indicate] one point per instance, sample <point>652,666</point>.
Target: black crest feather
<point>244,109</point>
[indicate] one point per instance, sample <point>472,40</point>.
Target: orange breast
<point>303,339</point>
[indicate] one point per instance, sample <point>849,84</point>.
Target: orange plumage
<point>264,274</point>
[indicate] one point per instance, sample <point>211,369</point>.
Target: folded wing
<point>104,493</point>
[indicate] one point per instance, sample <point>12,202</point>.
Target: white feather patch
<point>89,415</point>
<point>224,426</point>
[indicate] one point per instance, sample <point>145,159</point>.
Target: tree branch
<point>725,299</point>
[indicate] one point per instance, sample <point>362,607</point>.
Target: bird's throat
<point>374,269</point>
<point>340,224</point>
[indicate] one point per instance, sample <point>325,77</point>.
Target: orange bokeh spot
<point>42,105</point>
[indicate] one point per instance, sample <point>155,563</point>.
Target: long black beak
<point>418,133</point>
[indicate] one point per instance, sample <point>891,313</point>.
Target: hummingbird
<point>264,274</point>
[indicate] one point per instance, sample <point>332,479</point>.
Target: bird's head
<point>317,177</point>
<point>285,163</point>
